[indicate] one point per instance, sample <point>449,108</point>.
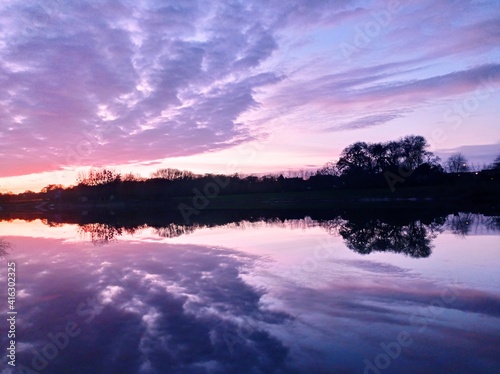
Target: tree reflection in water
<point>174,230</point>
<point>492,223</point>
<point>413,239</point>
<point>4,247</point>
<point>463,224</point>
<point>362,233</point>
<point>100,233</point>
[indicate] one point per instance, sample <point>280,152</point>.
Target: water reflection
<point>100,233</point>
<point>151,306</point>
<point>413,239</point>
<point>463,224</point>
<point>405,234</point>
<point>199,309</point>
<point>174,230</point>
<point>4,248</point>
<point>176,309</point>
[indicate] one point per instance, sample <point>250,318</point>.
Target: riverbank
<point>465,197</point>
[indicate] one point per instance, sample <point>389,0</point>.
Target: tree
<point>356,158</point>
<point>364,236</point>
<point>100,233</point>
<point>330,168</point>
<point>301,173</point>
<point>496,163</point>
<point>131,177</point>
<point>52,187</point>
<point>457,163</point>
<point>97,177</point>
<point>414,151</point>
<point>381,156</point>
<point>171,174</point>
<point>373,158</point>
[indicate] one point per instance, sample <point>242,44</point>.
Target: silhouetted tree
<point>355,159</point>
<point>372,158</point>
<point>301,173</point>
<point>52,187</point>
<point>172,174</point>
<point>131,177</point>
<point>457,163</point>
<point>414,151</point>
<point>96,177</point>
<point>330,168</point>
<point>496,163</point>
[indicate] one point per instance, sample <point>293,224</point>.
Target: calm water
<point>275,296</point>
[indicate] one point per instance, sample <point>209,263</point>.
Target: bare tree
<point>330,168</point>
<point>52,187</point>
<point>131,177</point>
<point>457,163</point>
<point>96,177</point>
<point>171,174</point>
<point>496,163</point>
<point>300,173</point>
<point>100,233</point>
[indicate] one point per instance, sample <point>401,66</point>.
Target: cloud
<point>177,314</point>
<point>359,93</point>
<point>367,121</point>
<point>119,81</point>
<point>430,52</point>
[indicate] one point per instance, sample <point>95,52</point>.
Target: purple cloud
<point>114,81</point>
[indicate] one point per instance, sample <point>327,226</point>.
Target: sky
<point>239,86</point>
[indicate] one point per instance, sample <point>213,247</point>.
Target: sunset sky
<point>239,86</point>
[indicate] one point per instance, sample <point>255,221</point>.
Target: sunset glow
<point>269,86</point>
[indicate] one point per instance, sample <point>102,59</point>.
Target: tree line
<point>405,162</point>
<point>410,152</point>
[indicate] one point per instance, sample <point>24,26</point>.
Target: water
<point>338,294</point>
